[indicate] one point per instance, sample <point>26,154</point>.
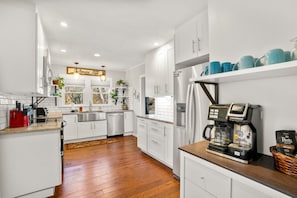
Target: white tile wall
<point>164,106</point>
<point>7,102</point>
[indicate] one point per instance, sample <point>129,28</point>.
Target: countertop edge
<point>156,119</point>
<point>249,176</point>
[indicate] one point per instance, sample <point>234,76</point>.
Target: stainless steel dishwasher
<point>115,123</point>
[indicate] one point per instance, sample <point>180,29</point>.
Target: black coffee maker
<point>220,133</point>
<point>247,123</point>
<point>234,133</point>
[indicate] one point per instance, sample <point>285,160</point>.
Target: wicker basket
<point>284,163</point>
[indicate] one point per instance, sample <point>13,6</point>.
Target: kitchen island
<point>200,169</point>
<point>30,158</point>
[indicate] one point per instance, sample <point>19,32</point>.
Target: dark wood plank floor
<point>116,169</point>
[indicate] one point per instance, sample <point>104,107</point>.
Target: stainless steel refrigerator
<point>190,110</point>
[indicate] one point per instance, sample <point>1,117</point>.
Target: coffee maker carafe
<point>220,133</point>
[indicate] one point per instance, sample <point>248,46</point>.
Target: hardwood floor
<point>115,169</point>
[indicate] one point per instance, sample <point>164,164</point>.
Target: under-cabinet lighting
<point>156,44</point>
<point>63,50</point>
<point>97,55</point>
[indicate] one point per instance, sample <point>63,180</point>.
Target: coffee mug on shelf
<point>246,62</point>
<point>227,66</point>
<point>274,56</point>
<point>214,67</point>
<point>288,56</point>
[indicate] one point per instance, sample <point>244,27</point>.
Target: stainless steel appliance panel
<point>115,124</point>
<point>196,110</point>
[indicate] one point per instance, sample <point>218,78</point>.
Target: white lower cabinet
<point>75,131</point>
<point>200,178</point>
<point>100,128</point>
<point>91,129</point>
<point>141,134</point>
<point>70,130</point>
<point>156,139</point>
<point>30,164</point>
<point>128,122</point>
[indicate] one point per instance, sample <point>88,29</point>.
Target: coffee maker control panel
<point>218,112</point>
<point>238,111</point>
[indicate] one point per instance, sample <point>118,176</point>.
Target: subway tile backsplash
<point>164,106</point>
<point>7,102</point>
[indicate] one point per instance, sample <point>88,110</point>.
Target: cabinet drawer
<point>156,147</point>
<point>193,191</point>
<point>211,181</point>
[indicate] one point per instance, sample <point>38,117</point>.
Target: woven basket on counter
<point>284,163</point>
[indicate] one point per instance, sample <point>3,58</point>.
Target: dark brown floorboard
<point>116,169</point>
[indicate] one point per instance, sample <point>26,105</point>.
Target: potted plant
<point>114,96</point>
<point>121,83</point>
<point>59,82</point>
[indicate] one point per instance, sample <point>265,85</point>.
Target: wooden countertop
<point>42,126</point>
<point>261,171</point>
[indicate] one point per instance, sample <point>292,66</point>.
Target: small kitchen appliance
<point>219,134</point>
<point>234,133</point>
<point>41,113</point>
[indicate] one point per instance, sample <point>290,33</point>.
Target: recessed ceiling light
<point>63,24</point>
<point>156,44</point>
<point>63,50</point>
<point>97,55</point>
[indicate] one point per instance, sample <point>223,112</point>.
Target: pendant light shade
<point>76,74</point>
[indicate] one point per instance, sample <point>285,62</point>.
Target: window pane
<point>76,98</point>
<point>73,89</point>
<point>100,98</point>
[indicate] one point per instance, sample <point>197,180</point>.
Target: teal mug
<point>214,67</point>
<point>273,56</point>
<point>246,62</point>
<point>227,67</point>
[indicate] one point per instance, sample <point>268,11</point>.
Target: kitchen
<point>235,29</point>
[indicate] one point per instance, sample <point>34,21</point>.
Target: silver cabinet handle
<point>154,141</point>
<point>198,44</point>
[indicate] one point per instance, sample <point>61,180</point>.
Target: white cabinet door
<point>191,39</point>
<point>169,144</point>
<point>70,130</point>
<point>18,49</point>
<point>142,134</point>
<point>99,128</point>
<point>30,163</point>
<point>159,67</point>
<point>184,40</point>
<point>128,121</point>
<point>193,191</point>
<point>170,70</point>
<point>203,34</point>
<point>85,129</point>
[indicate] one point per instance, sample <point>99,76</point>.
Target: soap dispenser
<point>294,50</point>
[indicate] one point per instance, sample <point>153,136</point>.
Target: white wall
<point>238,28</point>
<point>133,79</point>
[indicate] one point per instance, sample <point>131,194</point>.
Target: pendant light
<point>103,76</point>
<point>76,74</point>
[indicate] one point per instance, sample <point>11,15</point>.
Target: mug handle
<point>258,59</point>
<point>234,66</point>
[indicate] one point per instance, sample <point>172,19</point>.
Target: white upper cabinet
<point>22,49</point>
<point>192,40</point>
<point>159,67</point>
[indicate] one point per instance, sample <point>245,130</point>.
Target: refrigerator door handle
<point>189,111</point>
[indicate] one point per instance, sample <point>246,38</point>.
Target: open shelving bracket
<point>214,100</point>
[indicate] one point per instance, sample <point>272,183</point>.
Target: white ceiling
<point>121,31</point>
